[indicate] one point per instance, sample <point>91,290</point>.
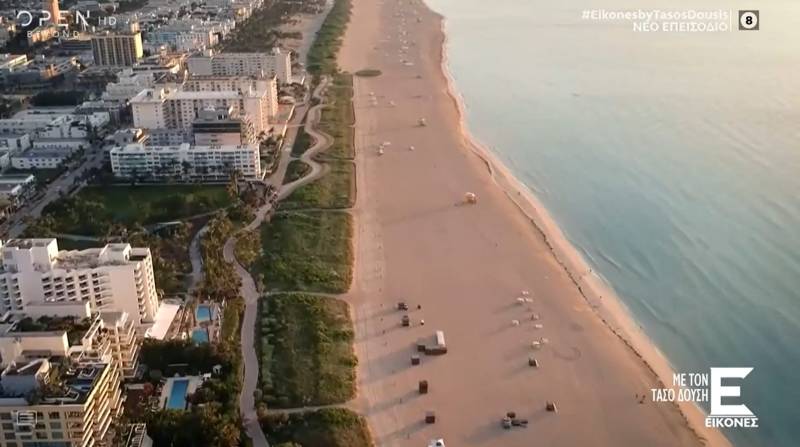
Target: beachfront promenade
<point>249,291</point>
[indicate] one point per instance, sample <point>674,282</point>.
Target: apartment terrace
<point>75,327</point>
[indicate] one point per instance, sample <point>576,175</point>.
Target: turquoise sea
<point>670,160</point>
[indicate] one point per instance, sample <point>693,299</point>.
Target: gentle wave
<point>669,165</point>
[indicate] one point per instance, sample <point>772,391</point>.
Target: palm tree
<point>185,169</point>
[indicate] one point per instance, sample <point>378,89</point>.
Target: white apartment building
<point>186,162</point>
<point>56,123</point>
<point>14,142</point>
<point>128,85</point>
<point>39,159</point>
<point>177,108</point>
<point>104,337</point>
<point>189,35</point>
<point>51,401</point>
<point>276,63</point>
<point>114,277</point>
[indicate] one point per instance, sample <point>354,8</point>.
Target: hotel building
<point>36,276</point>
<point>53,402</point>
<point>276,63</point>
<point>108,337</point>
<point>177,108</point>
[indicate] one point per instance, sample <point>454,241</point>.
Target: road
<point>93,159</point>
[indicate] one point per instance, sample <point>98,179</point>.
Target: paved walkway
<point>196,258</point>
<point>249,291</point>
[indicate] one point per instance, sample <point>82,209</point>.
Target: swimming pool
<point>200,336</point>
<point>203,313</point>
<point>177,395</point>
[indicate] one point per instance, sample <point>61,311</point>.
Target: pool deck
<point>206,316</point>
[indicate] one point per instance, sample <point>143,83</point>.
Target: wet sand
<point>466,265</point>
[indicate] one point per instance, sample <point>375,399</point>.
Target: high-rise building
<point>51,6</point>
<point>118,49</point>
<point>215,127</point>
<point>116,277</point>
<point>53,401</point>
<point>177,108</point>
<point>186,162</point>
<point>276,63</point>
<point>85,337</point>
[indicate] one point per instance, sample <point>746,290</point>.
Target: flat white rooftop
<point>164,316</point>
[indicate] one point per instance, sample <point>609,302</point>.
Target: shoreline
<point>613,312</point>
<point>593,377</point>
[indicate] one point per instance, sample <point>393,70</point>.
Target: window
<point>9,435</point>
<point>8,426</point>
<point>5,416</point>
<point>55,425</point>
<point>54,415</point>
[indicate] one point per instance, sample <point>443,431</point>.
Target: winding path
<point>249,291</point>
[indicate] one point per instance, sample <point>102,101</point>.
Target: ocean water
<point>670,160</point>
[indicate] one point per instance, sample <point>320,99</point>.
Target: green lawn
<point>322,54</point>
<point>342,147</point>
<point>296,170</point>
<point>339,108</point>
<point>94,209</point>
<point>334,190</point>
<point>338,118</point>
<point>149,204</point>
<point>308,251</point>
<point>305,349</point>
<point>328,427</point>
<point>302,142</point>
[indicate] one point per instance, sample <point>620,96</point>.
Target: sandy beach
<point>465,265</point>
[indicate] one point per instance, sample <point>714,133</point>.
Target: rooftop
<point>29,243</point>
<point>139,147</point>
<point>42,153</point>
<point>163,320</point>
<point>73,326</point>
<point>62,383</point>
<point>24,368</point>
<point>16,178</point>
